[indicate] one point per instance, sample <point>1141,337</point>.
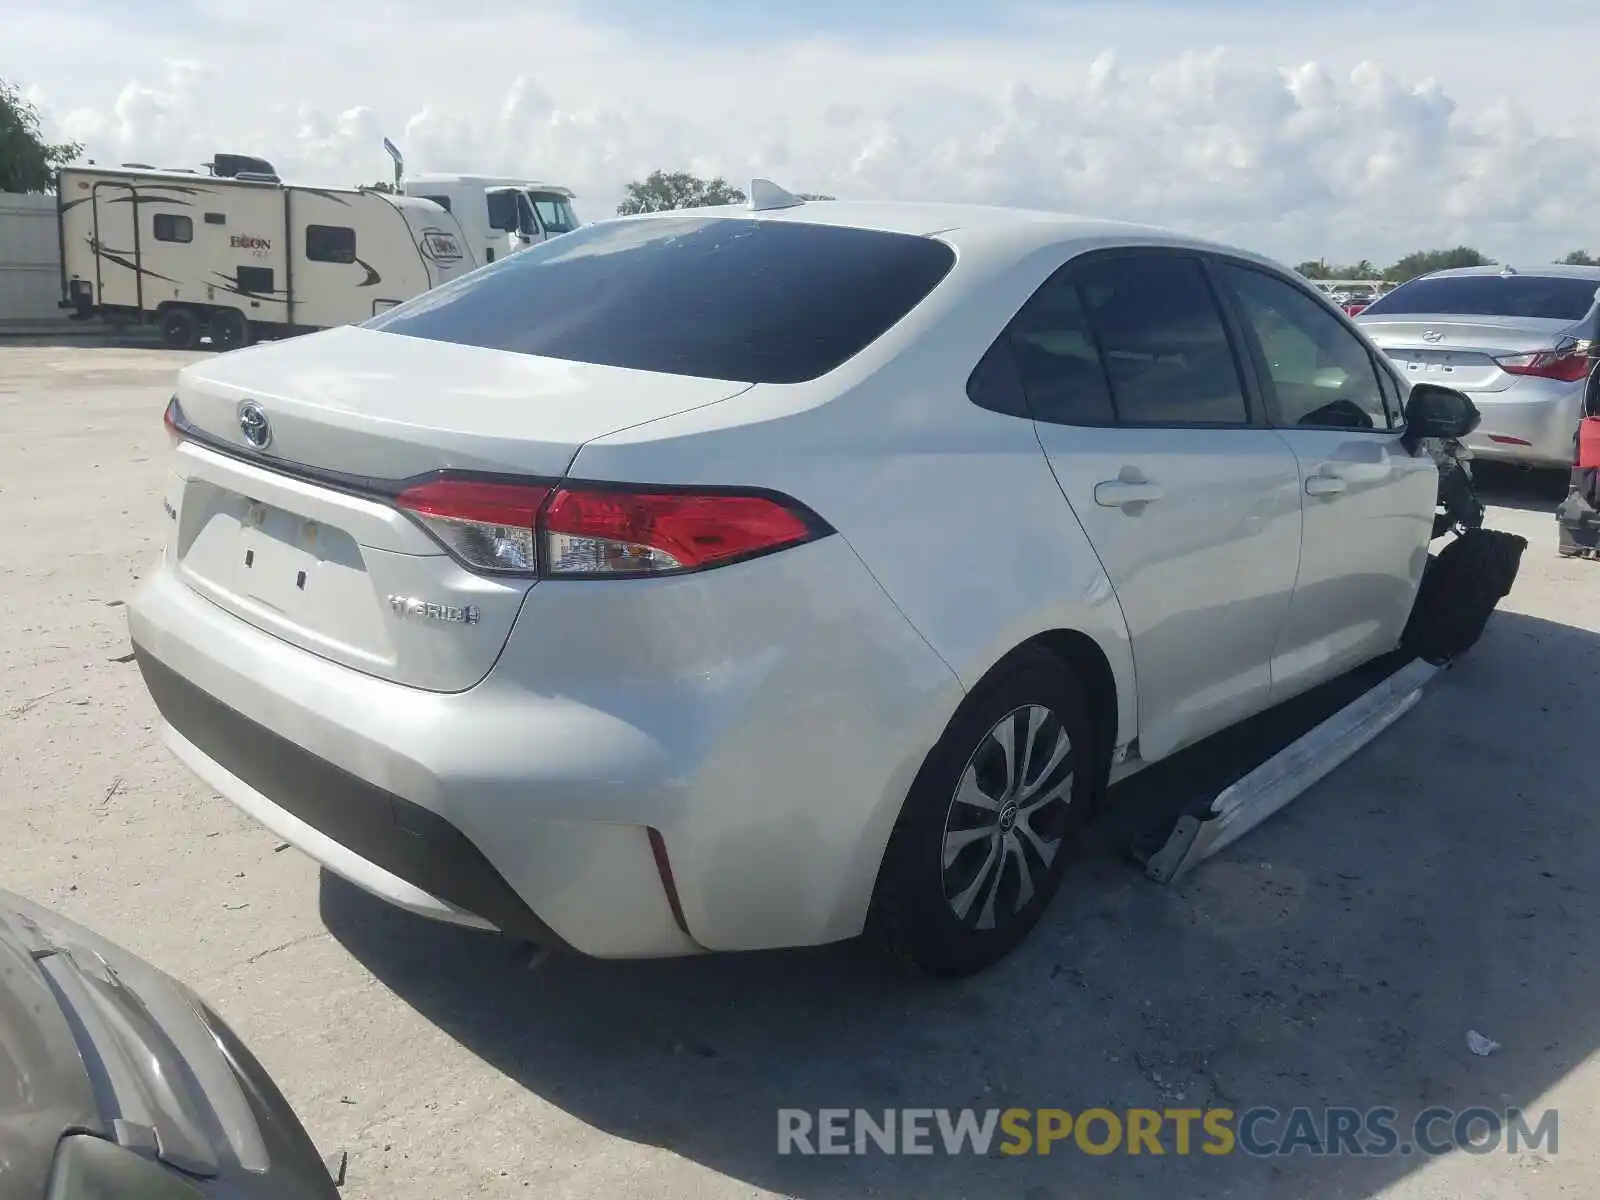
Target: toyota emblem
<point>254,425</point>
<point>1432,335</point>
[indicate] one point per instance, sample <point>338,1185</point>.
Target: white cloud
<point>1334,144</point>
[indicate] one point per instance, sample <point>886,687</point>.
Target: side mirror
<point>1433,411</point>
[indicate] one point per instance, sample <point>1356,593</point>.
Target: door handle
<point>1324,485</point>
<point>1121,493</point>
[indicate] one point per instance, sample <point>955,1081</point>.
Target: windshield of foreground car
<point>716,297</point>
<point>1543,297</point>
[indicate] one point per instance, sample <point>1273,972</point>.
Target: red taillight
<point>170,419</point>
<point>599,531</point>
<point>1567,364</point>
<point>488,526</point>
<point>626,532</point>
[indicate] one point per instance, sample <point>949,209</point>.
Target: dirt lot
<point>1447,879</point>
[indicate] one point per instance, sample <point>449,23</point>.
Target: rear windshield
<point>718,297</point>
<point>1545,297</point>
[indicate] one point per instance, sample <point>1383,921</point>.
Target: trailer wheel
<point>229,329</point>
<point>180,329</point>
<point>1460,588</point>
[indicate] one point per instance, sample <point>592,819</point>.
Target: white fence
<point>30,261</point>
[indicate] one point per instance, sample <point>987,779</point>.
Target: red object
<point>1567,364</point>
<point>697,529</point>
<point>556,530</point>
<point>170,420</point>
<point>1354,307</point>
<point>514,504</point>
<point>1589,442</point>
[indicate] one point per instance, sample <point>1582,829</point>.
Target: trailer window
<point>173,227</point>
<point>442,201</point>
<point>216,219</point>
<point>330,243</point>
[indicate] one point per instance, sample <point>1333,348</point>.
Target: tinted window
<point>717,297</point>
<point>216,219</point>
<point>1545,297</point>
<point>502,207</point>
<point>1163,341</point>
<point>442,201</point>
<point>330,243</point>
<point>171,227</point>
<point>1320,371</point>
<point>1057,359</point>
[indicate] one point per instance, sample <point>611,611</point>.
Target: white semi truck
<point>500,214</point>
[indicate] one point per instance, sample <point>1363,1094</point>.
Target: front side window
<point>173,227</point>
<point>1163,341</point>
<point>330,243</point>
<point>1321,373</point>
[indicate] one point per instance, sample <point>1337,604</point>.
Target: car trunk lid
<point>299,536</point>
<point>1460,351</point>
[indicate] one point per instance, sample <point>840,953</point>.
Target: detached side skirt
<point>1243,805</point>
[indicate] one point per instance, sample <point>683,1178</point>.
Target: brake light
<point>1568,364</point>
<point>488,526</point>
<point>171,418</point>
<point>625,532</point>
<point>602,532</point>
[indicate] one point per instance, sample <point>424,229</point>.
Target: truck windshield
<point>555,212</point>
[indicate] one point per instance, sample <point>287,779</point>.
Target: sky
<point>1291,127</point>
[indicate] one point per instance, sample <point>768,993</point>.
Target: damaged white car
<point>753,577</point>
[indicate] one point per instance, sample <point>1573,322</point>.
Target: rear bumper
<point>1531,423</point>
<point>755,728</point>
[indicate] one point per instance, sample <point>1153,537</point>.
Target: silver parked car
<point>1517,342</point>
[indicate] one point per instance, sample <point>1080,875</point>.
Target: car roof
<point>988,228</point>
<point>1551,271</point>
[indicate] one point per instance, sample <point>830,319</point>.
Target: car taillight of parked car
<point>603,531</point>
<point>1568,363</point>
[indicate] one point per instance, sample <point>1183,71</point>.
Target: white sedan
<point>746,578</point>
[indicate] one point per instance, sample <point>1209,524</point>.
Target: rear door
<point>1368,503</point>
<point>1189,499</point>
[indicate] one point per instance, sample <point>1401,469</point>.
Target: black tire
<point>229,329</point>
<point>180,329</point>
<point>914,914</point>
<point>1460,589</point>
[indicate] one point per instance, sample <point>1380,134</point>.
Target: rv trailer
<point>500,215</point>
<point>238,254</point>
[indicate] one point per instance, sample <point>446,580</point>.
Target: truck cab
<point>500,215</point>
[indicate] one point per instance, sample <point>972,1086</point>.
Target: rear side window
<point>442,201</point>
<point>1546,297</point>
<point>1057,358</point>
<point>1163,341</point>
<point>716,297</point>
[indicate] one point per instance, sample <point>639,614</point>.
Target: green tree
<point>1421,262</point>
<point>27,162</point>
<point>1316,270</point>
<point>663,190</point>
<point>1580,258</point>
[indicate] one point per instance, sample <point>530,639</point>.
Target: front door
<point>1368,502</point>
<point>1190,501</point>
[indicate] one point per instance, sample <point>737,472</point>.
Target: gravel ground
<point>1444,880</point>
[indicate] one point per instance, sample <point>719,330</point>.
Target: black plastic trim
<point>403,838</point>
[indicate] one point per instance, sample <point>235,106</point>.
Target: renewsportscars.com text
<point>1259,1132</point>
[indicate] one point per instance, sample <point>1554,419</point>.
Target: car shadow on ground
<point>1505,486</point>
<point>1441,881</point>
